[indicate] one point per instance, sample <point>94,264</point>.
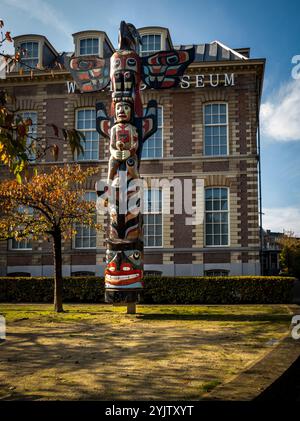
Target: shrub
<point>158,290</point>
<point>219,290</point>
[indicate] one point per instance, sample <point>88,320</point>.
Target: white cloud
<point>44,13</point>
<point>280,115</point>
<point>279,219</point>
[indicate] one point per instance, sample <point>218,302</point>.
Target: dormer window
<point>36,52</point>
<point>154,38</point>
<point>29,54</point>
<point>89,46</point>
<point>89,43</point>
<point>151,44</point>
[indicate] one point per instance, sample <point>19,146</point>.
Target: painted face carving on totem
<point>123,112</point>
<point>123,143</point>
<point>125,74</point>
<point>124,269</point>
<point>124,70</point>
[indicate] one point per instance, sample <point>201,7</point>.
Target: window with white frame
<point>26,243</point>
<point>150,44</point>
<point>89,46</point>
<point>86,123</point>
<point>85,237</point>
<point>29,55</point>
<point>153,147</point>
<point>216,216</point>
<point>32,130</point>
<point>215,129</point>
<point>153,218</point>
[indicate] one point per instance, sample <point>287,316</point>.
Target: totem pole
<point>127,127</point>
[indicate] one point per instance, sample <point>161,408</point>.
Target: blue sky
<point>269,28</point>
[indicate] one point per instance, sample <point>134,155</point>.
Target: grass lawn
<point>163,352</point>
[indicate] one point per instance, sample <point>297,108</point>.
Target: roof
<point>214,51</point>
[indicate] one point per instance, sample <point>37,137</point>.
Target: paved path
<point>286,388</point>
<point>275,377</point>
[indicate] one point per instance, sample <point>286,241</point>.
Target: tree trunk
<point>58,280</point>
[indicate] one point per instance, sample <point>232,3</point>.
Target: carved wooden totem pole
<point>127,127</point>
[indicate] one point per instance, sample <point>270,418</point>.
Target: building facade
<point>204,158</point>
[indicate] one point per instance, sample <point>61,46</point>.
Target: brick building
<point>207,131</point>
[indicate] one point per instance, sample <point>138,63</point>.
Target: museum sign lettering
<point>212,79</point>
<point>190,81</point>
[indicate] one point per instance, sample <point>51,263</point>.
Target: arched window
<point>32,130</point>
<point>19,274</point>
<point>83,273</point>
<point>86,235</point>
<point>216,216</point>
<point>216,272</point>
<point>153,226</point>
<point>26,243</point>
<point>86,123</point>
<point>215,129</point>
<point>153,147</point>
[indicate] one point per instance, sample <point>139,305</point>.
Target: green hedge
<point>158,290</point>
<point>220,290</point>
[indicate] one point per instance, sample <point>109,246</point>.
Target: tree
<point>290,254</point>
<point>17,144</point>
<point>56,201</point>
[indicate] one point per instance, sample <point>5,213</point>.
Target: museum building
<point>208,130</point>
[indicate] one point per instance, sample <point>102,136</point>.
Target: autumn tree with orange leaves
<point>56,203</point>
<point>17,143</point>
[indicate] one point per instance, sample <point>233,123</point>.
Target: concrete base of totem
<point>131,308</point>
<point>122,297</point>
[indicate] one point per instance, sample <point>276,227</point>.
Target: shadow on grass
<point>96,360</point>
<point>107,355</point>
<point>169,313</point>
<point>217,317</point>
